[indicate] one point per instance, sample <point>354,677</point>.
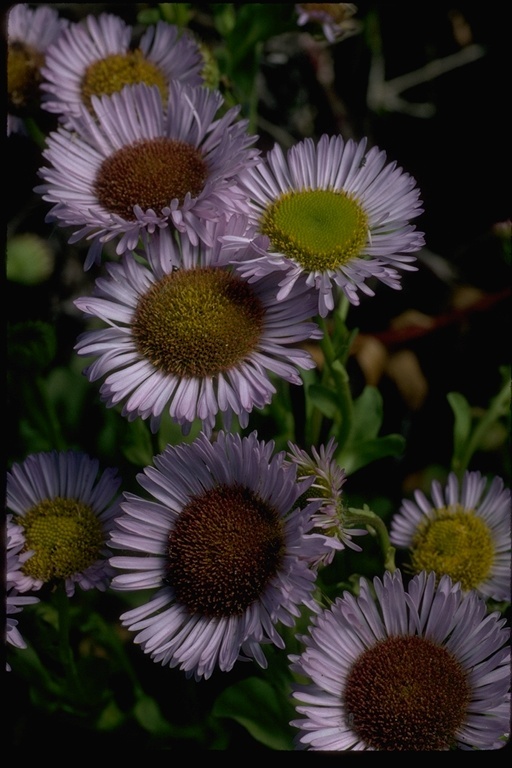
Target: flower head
<point>187,333</point>
<point>29,33</point>
<point>422,668</point>
<point>98,56</point>
<point>335,18</point>
<point>329,478</point>
<point>141,164</point>
<point>463,531</point>
<point>14,602</point>
<point>64,511</point>
<point>333,215</point>
<point>225,545</point>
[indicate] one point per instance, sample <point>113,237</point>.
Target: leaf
<point>367,414</point>
<point>255,705</point>
<point>358,455</point>
<point>324,399</point>
<point>462,422</point>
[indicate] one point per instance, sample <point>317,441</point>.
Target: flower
<point>422,668</point>
<point>141,164</point>
<point>226,547</point>
<point>463,531</point>
<point>326,488</point>
<point>195,338</point>
<point>64,511</point>
<point>15,602</point>
<point>333,215</point>
<point>335,18</point>
<point>29,33</point>
<point>97,57</point>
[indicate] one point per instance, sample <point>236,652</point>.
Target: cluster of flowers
<point>220,259</point>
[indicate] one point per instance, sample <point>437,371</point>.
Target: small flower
<point>463,531</point>
<point>14,602</point>
<point>98,57</point>
<point>29,33</point>
<point>333,215</point>
<point>142,164</point>
<point>419,669</point>
<point>225,545</point>
<point>335,18</point>
<point>326,488</point>
<point>188,333</point>
<point>65,511</point>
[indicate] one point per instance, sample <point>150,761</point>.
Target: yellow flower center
<point>227,545</point>
<point>149,173</point>
<point>65,535</point>
<point>456,542</point>
<point>23,78</point>
<point>406,693</point>
<point>319,229</point>
<point>109,75</point>
<point>198,322</point>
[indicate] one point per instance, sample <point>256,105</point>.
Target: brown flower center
<point>407,693</point>
<point>227,545</point>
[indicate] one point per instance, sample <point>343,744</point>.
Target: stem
<point>66,652</point>
<point>370,520</point>
<point>341,381</point>
<point>497,409</point>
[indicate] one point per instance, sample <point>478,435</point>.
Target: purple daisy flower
<point>419,669</point>
<point>335,18</point>
<point>65,511</point>
<point>187,333</point>
<point>333,215</point>
<point>226,546</point>
<point>463,530</point>
<point>30,31</point>
<point>329,478</point>
<point>98,56</point>
<point>141,164</point>
<point>14,602</point>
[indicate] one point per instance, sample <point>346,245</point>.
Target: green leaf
<point>367,414</point>
<point>255,705</point>
<point>462,424</point>
<point>358,455</point>
<point>324,399</point>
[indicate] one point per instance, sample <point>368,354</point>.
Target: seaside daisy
<point>329,478</point>
<point>99,55</point>
<point>14,602</point>
<point>141,164</point>
<point>335,18</point>
<point>334,214</point>
<point>225,545</point>
<point>463,530</point>
<point>30,31</point>
<point>187,333</point>
<point>64,508</point>
<point>417,669</point>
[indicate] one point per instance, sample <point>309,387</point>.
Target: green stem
<point>357,517</point>
<point>338,373</point>
<point>498,407</point>
<point>66,652</point>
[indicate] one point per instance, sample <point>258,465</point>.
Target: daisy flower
<point>334,215</point>
<point>225,545</point>
<point>329,478</point>
<point>418,669</point>
<point>335,18</point>
<point>98,56</point>
<point>30,31</point>
<point>14,602</point>
<point>187,333</point>
<point>463,531</point>
<point>64,510</point>
<point>141,164</point>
